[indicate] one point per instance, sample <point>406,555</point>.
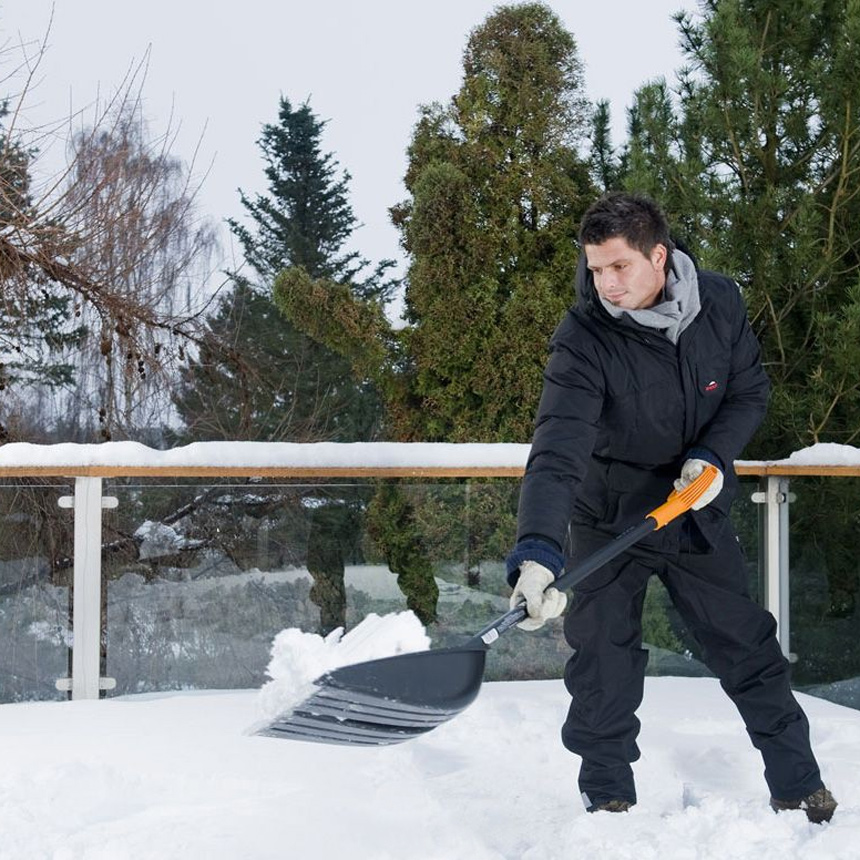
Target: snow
<point>825,454</point>
<point>298,657</point>
<point>331,455</point>
<point>268,454</point>
<point>178,776</point>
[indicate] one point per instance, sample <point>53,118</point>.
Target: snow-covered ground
<point>178,776</point>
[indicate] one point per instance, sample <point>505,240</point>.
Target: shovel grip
<point>679,503</point>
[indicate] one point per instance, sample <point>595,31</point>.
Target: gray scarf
<point>679,302</point>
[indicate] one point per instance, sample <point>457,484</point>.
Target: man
<point>654,374</point>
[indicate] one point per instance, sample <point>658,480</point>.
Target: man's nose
<point>606,282</point>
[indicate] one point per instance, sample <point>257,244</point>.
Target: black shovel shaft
<point>585,568</point>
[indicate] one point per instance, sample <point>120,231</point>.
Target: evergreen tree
<point>758,165</point>
<point>496,192</point>
<point>260,377</point>
<point>307,218</point>
<point>497,189</point>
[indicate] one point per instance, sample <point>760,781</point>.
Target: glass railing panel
<point>202,577</point>
<point>825,587</point>
<point>36,551</point>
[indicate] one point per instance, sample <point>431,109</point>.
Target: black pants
<point>605,675</point>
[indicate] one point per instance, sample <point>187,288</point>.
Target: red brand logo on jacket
<point>713,385</point>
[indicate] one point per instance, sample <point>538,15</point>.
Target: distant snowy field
<point>175,776</point>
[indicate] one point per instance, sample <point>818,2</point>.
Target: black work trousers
<point>605,675</point>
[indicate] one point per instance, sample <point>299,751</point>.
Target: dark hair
<point>634,217</point>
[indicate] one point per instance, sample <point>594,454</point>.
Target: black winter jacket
<point>622,406</point>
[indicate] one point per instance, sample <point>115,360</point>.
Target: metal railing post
<point>776,497</point>
<point>86,680</point>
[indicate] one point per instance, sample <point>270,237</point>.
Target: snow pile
<point>825,454</point>
<point>299,658</point>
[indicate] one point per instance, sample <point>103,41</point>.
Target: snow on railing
<point>824,458</point>
<point>276,459</point>
<point>337,459</point>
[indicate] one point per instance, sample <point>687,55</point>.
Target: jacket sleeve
<point>565,433</point>
<point>747,389</point>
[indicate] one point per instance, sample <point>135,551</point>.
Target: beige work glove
<point>541,602</point>
<point>689,472</point>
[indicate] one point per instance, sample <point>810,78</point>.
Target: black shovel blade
<point>385,701</point>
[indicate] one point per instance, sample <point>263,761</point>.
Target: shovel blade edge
<point>386,701</point>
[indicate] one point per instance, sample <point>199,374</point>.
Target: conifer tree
<point>496,191</point>
<point>305,219</point>
<point>760,162</point>
<point>261,378</point>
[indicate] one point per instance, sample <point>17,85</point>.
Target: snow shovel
<point>398,698</point>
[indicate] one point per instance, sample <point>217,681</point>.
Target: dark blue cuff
<point>533,549</point>
<point>707,455</point>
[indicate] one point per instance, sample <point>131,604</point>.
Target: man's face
<point>624,276</point>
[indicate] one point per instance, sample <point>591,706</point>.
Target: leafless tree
<point>103,266</point>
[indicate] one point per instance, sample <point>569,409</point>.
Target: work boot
<point>612,806</point>
<point>818,806</point>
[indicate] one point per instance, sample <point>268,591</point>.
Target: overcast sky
<point>365,66</point>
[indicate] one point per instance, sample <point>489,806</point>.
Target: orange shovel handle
<point>679,503</point>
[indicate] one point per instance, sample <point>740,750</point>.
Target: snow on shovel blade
<point>385,701</point>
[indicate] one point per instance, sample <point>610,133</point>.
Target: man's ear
<point>659,254</point>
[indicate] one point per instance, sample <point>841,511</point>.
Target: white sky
<point>366,67</point>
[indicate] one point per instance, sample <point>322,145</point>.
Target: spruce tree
<point>261,378</point>
<point>306,218</point>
